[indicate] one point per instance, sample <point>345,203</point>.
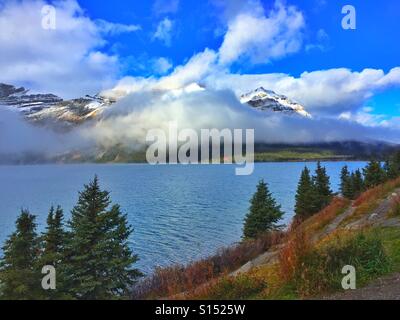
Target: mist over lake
<point>179,213</point>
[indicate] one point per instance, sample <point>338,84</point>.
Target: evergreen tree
<point>373,174</point>
<point>264,213</point>
<point>19,277</point>
<point>392,166</point>
<point>357,183</point>
<point>323,191</point>
<point>54,238</point>
<point>53,252</point>
<point>346,183</point>
<point>396,164</point>
<point>305,196</point>
<point>100,261</point>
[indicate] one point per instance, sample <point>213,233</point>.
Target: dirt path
<point>385,288</point>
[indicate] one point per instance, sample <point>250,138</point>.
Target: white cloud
<point>68,60</point>
<point>365,118</point>
<point>115,28</point>
<point>164,31</point>
<point>17,135</point>
<point>340,93</point>
<point>196,69</point>
<point>147,103</point>
<point>259,38</point>
<point>128,122</point>
<point>331,91</point>
<point>162,65</point>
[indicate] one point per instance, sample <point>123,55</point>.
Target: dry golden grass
<point>318,221</point>
<point>370,199</point>
<point>174,280</point>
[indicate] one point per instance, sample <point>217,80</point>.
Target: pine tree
<point>53,252</point>
<point>100,261</point>
<point>396,164</point>
<point>392,166</point>
<point>305,196</point>
<point>373,174</point>
<point>346,183</point>
<point>19,277</point>
<point>324,193</point>
<point>357,182</point>
<point>264,213</point>
<point>54,238</point>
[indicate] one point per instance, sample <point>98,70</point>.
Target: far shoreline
<point>191,164</point>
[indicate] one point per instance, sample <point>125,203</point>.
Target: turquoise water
<point>179,213</point>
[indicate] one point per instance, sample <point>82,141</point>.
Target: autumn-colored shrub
<point>370,199</point>
<point>170,281</point>
<point>296,247</point>
<point>377,192</point>
<point>318,221</point>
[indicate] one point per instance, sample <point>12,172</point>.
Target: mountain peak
<point>263,99</point>
<point>7,90</point>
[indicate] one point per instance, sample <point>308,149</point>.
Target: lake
<point>179,213</point>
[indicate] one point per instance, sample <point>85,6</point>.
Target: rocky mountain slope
<point>263,99</point>
<point>52,110</point>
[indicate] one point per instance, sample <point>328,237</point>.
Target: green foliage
<point>99,259</point>
<point>322,187</point>
<point>319,271</point>
<point>92,261</point>
<point>351,184</point>
<point>299,154</point>
<point>374,174</point>
<point>346,186</point>
<point>53,240</point>
<point>19,276</point>
<point>238,288</point>
<point>392,166</point>
<point>357,183</point>
<point>313,192</point>
<point>264,213</point>
<point>53,252</point>
<point>305,196</point>
<point>391,240</point>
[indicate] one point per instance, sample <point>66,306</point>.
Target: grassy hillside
<point>304,262</point>
<point>365,234</point>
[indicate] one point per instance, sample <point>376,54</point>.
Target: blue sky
<point>296,48</point>
<point>200,24</point>
<point>196,23</point>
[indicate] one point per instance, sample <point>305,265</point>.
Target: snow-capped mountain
<point>50,109</point>
<point>53,111</point>
<point>263,99</point>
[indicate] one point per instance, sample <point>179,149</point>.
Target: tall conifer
<point>323,195</point>
<point>264,213</point>
<point>305,196</point>
<point>19,277</point>
<point>100,260</point>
